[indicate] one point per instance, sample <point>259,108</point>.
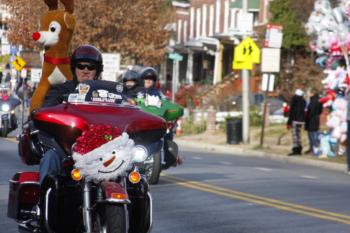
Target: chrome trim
<point>87,207</point>
<point>127,226</point>
<point>151,212</point>
<point>47,210</point>
<point>112,200</point>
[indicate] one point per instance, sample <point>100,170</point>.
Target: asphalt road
<point>214,192</point>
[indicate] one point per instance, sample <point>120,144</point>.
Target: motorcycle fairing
<point>67,121</point>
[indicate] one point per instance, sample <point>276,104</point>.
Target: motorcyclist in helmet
<point>86,64</point>
<point>149,76</point>
<point>132,85</point>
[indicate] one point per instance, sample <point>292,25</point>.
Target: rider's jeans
<point>51,163</point>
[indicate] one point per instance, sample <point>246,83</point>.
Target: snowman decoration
<point>104,152</point>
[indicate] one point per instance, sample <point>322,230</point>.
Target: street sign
<point>268,82</point>
<point>247,51</point>
<point>270,61</point>
<point>175,56</point>
<point>18,63</point>
<point>245,22</point>
<point>238,65</point>
<point>273,36</point>
<point>111,66</point>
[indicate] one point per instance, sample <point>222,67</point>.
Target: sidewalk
<point>216,142</point>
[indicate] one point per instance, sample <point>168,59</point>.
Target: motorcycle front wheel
<point>110,219</point>
<point>153,170</point>
<point>4,129</point>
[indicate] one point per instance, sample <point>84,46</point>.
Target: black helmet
<point>87,53</point>
<point>149,73</point>
<point>131,75</point>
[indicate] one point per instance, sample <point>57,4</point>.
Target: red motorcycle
<point>100,189</point>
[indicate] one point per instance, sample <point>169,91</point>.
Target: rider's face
<point>148,83</point>
<point>85,71</point>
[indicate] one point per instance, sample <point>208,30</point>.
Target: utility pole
<point>245,91</point>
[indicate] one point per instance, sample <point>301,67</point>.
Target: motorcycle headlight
<point>5,107</point>
<point>139,154</point>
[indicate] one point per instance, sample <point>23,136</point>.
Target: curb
<point>237,151</point>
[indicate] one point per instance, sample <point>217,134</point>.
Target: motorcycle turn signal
<point>76,175</point>
<point>134,177</point>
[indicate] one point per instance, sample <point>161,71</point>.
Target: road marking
<point>11,140</point>
<point>225,163</point>
<point>196,157</point>
<point>309,177</point>
<point>263,169</point>
<point>286,206</point>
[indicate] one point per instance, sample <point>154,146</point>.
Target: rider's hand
<point>289,126</point>
<point>131,102</point>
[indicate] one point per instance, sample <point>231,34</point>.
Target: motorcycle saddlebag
<point>23,194</point>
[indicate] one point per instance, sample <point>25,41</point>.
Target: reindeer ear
<point>52,4</point>
<point>68,5</point>
<point>69,20</point>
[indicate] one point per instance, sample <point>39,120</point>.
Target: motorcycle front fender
<point>114,193</point>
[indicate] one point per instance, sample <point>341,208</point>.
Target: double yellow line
<point>294,208</point>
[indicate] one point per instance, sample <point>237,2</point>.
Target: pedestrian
<point>312,121</point>
<point>8,77</point>
<point>1,74</point>
<point>296,120</point>
<point>86,64</point>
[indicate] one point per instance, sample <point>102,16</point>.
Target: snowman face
<point>108,161</point>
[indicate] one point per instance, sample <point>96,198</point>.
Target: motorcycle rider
<point>132,87</point>
<point>149,76</point>
<point>86,64</point>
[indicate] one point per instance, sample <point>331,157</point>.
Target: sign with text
<point>273,36</point>
<point>270,61</point>
<point>111,66</point>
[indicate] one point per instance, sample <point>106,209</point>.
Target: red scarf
<point>56,61</point>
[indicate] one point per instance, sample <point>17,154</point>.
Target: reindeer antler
<point>68,5</point>
<point>52,4</point>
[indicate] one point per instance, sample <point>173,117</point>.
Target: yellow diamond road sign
<point>18,63</point>
<point>247,51</point>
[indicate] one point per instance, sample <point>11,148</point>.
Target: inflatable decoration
<point>56,30</point>
<point>329,31</point>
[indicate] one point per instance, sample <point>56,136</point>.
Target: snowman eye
<point>101,159</point>
<point>113,152</point>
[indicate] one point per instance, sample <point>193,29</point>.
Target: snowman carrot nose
<point>108,162</point>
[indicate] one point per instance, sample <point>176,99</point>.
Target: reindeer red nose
<point>36,36</point>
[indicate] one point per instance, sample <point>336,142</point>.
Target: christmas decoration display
<point>56,30</point>
<point>103,152</point>
<point>329,30</point>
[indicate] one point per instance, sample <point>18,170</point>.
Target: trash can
<point>234,130</point>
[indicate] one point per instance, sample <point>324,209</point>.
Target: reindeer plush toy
<point>56,30</point>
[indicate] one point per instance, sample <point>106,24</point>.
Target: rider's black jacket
<point>57,93</point>
<point>133,92</point>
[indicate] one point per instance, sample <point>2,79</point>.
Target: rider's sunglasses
<point>83,66</point>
